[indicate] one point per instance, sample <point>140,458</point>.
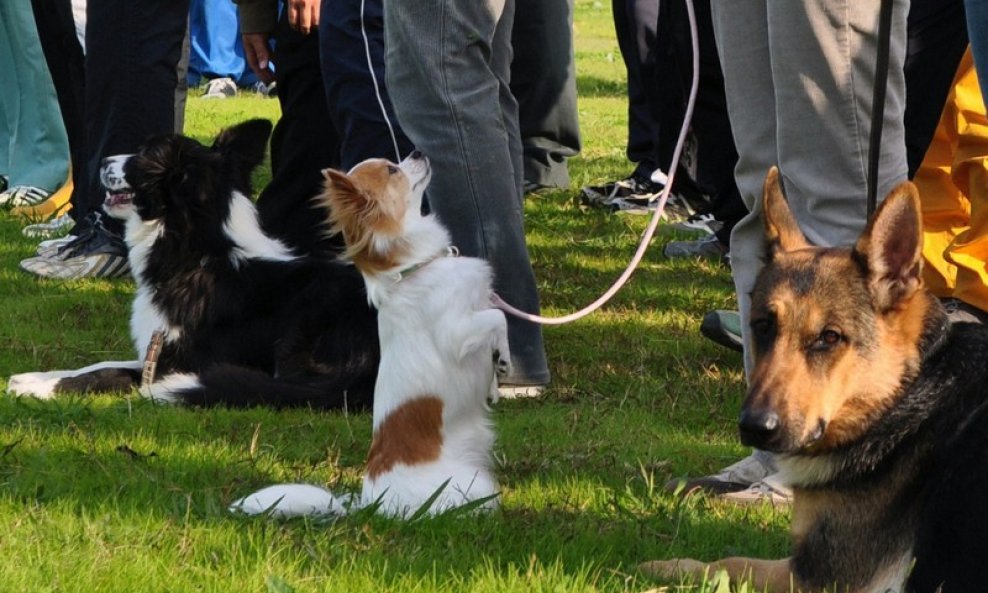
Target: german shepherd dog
<point>876,408</point>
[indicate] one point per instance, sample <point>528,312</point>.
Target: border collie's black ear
<point>248,141</point>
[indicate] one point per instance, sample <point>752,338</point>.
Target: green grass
<point>118,494</point>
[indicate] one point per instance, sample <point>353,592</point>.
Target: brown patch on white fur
<point>367,206</point>
<point>411,434</point>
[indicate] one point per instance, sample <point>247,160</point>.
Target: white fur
<point>164,388</point>
<point>798,471</point>
<point>438,333</point>
<point>251,242</point>
<point>42,384</point>
<point>242,227</point>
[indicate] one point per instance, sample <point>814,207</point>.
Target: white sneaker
<point>768,489</point>
<point>23,195</point>
<point>56,226</point>
<point>733,478</point>
<point>518,391</point>
<point>220,88</point>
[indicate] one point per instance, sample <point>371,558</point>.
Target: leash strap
<point>878,101</point>
<point>151,358</point>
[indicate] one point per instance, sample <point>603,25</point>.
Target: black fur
<point>256,331</point>
<point>925,466</point>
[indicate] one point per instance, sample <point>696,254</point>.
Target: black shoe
<point>960,312</point>
<point>723,327</point>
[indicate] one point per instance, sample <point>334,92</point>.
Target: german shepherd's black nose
<point>758,427</point>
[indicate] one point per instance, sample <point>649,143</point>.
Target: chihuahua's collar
<point>450,251</point>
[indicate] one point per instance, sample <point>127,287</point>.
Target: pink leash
<point>656,216</point>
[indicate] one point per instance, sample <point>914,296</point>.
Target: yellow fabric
<point>953,186</point>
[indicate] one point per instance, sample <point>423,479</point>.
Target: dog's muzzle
<point>111,176</point>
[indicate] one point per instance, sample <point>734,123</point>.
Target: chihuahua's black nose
<point>416,154</point>
<point>758,427</point>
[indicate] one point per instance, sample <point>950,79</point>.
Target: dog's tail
<point>240,387</point>
<point>294,500</point>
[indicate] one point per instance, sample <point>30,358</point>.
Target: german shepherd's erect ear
<point>781,230</point>
<point>892,248</point>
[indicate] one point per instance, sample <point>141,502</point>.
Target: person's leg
<point>133,91</point>
<point>828,52</point>
<point>39,152</point>
<point>303,143</point>
<point>637,48</point>
<point>824,173</point>
<point>446,63</point>
<point>351,49</point>
<point>741,33</point>
<point>66,62</point>
<point>937,33</point>
<point>132,55</point>
<point>543,80</point>
<point>977,26</point>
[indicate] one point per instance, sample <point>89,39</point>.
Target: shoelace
<point>95,234</point>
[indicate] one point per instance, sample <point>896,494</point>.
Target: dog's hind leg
<point>771,576</point>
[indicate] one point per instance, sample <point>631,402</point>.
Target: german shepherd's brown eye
<point>761,327</point>
<point>827,339</point>
<point>392,169</point>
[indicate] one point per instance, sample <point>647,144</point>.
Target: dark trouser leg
<point>543,80</point>
<point>304,142</point>
<point>357,96</point>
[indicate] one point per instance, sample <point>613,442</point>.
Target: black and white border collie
<point>240,318</point>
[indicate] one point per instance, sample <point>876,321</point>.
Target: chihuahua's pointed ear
<point>338,181</point>
<point>892,248</point>
<point>781,230</point>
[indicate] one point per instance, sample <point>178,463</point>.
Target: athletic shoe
<point>707,247</point>
<point>769,489</point>
<point>634,187</point>
<point>97,253</point>
<point>702,222</point>
<point>733,478</point>
<point>960,312</point>
<point>266,90</point>
<point>23,195</point>
<point>723,327</point>
<point>54,227</point>
<point>519,391</point>
<point>220,88</point>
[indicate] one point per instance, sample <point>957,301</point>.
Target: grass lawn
<point>115,494</point>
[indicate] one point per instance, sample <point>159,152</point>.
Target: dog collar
<point>450,251</point>
<point>151,358</point>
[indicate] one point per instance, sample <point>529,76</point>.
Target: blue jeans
<point>977,30</point>
<point>447,65</point>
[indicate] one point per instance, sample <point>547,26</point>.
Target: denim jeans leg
<point>447,64</point>
<point>977,27</point>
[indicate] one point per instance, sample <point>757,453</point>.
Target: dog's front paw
<point>502,364</point>
<point>669,570</point>
<point>40,385</point>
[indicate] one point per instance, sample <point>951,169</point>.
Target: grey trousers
<point>799,77</point>
<point>447,66</point>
